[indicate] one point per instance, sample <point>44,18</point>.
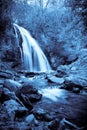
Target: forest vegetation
<point>31,98</point>
<point>60,27</point>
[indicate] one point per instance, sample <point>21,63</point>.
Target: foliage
<point>58,26</point>
<point>5,15</point>
<point>79,6</point>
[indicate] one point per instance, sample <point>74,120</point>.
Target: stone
<point>76,90</point>
<point>5,74</point>
<point>1,90</point>
<point>3,114</point>
<point>78,75</point>
<point>4,96</point>
<point>71,82</point>
<point>30,74</point>
<point>7,95</point>
<point>1,82</point>
<point>62,71</point>
<point>36,122</point>
<point>41,114</point>
<point>34,97</point>
<point>28,95</point>
<point>12,107</point>
<point>29,118</point>
<point>53,125</point>
<point>54,79</point>
<point>24,99</point>
<point>12,85</point>
<point>68,125</point>
<point>28,88</point>
<point>15,64</point>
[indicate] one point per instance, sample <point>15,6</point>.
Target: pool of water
<point>54,93</point>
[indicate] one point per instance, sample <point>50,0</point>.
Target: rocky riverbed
<point>42,101</point>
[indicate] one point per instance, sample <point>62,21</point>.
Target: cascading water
<point>34,58</point>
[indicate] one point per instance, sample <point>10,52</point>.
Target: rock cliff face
<point>10,55</point>
<point>76,72</point>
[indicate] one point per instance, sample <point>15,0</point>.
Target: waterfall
<point>33,57</point>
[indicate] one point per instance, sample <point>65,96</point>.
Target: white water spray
<point>34,58</point>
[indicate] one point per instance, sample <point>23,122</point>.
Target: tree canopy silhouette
<point>5,14</point>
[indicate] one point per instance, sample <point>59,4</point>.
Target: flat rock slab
<point>55,79</point>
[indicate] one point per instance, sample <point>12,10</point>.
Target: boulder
<point>28,93</point>
<point>62,71</point>
<point>12,85</point>
<point>5,95</point>
<point>12,107</point>
<point>54,79</point>
<point>6,74</point>
<point>76,80</point>
<point>24,99</point>
<point>8,95</point>
<point>75,74</point>
<point>28,88</point>
<point>53,125</point>
<point>4,118</point>
<point>42,115</point>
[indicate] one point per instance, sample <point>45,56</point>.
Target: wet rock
<point>36,122</point>
<point>71,83</point>
<point>34,97</point>
<point>28,88</point>
<point>3,114</point>
<point>41,114</point>
<point>27,73</point>
<point>7,126</point>
<point>76,90</point>
<point>83,92</point>
<point>15,64</point>
<point>1,91</point>
<point>29,119</point>
<point>55,79</point>
<point>30,74</point>
<point>65,124</point>
<point>11,53</point>
<point>20,114</point>
<point>8,55</point>
<point>77,73</point>
<point>1,82</point>
<point>5,74</point>
<point>62,71</point>
<point>5,95</point>
<point>22,125</point>
<point>12,107</point>
<point>53,125</point>
<point>12,85</point>
<point>25,101</point>
<point>28,94</point>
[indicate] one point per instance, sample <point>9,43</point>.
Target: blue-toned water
<point>33,57</point>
